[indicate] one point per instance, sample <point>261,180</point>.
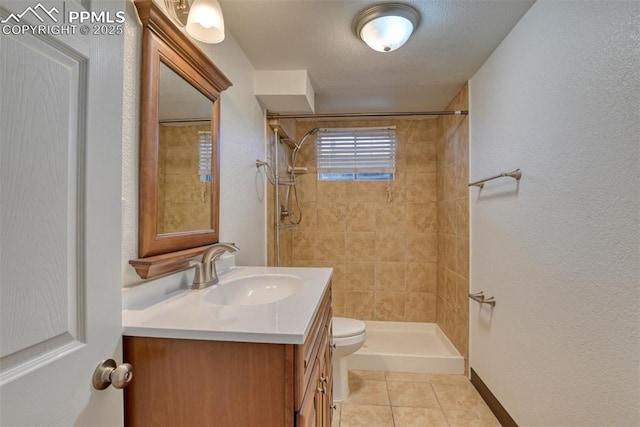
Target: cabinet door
<point>328,375</point>
<point>244,384</point>
<point>310,410</point>
<point>320,403</point>
<point>325,387</point>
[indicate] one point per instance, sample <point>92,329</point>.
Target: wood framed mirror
<point>179,146</point>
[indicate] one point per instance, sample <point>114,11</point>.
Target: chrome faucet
<point>206,274</point>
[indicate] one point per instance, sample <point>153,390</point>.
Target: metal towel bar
<point>479,297</point>
<point>516,174</point>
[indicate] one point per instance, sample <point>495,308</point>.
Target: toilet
<point>348,337</point>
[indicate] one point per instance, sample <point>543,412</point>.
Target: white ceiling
<point>453,40</point>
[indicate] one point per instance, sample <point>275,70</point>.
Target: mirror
<point>185,157</point>
<point>179,155</point>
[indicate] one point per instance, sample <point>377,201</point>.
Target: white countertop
<point>153,310</point>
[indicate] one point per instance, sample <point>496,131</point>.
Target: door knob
<point>107,373</point>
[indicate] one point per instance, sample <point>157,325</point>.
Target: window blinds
<point>367,151</point>
<point>205,157</point>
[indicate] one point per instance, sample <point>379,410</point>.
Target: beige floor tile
<point>418,400</point>
<point>407,376</point>
<point>366,375</point>
<point>458,396</point>
<point>448,379</point>
<point>367,392</point>
<point>471,418</point>
<point>366,416</point>
<point>335,420</point>
<point>412,394</point>
<point>419,417</point>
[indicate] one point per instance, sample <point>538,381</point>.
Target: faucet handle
<point>198,278</point>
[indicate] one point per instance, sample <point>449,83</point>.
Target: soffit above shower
<point>453,40</point>
<point>285,91</point>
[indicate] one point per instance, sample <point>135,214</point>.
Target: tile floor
<point>392,399</point>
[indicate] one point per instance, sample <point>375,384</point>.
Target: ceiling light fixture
<point>387,26</point>
<point>203,18</point>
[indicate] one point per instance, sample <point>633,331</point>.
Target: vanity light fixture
<point>386,26</point>
<point>178,10</point>
<point>206,23</point>
<point>202,18</point>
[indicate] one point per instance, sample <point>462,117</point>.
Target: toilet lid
<point>345,327</point>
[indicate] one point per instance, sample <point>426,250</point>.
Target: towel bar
<point>516,174</point>
<point>479,297</point>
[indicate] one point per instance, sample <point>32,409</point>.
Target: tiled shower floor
<point>393,399</point>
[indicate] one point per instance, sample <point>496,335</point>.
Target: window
<point>356,154</point>
<point>206,151</point>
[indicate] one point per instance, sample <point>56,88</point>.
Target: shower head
<point>306,135</point>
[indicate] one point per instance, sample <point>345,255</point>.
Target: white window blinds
<point>367,153</point>
<point>205,157</point>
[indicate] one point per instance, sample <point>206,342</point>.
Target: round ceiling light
<point>387,26</point>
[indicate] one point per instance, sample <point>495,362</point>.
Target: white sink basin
<point>254,290</point>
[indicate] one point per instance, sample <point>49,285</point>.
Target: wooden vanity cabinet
<point>316,404</point>
<point>181,382</point>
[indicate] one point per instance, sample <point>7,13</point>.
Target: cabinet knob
<point>321,390</point>
<point>324,379</point>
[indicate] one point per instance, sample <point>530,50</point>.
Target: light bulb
<point>387,33</point>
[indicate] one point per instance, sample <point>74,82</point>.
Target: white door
<point>60,214</point>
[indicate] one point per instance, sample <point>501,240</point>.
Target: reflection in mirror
<point>185,156</point>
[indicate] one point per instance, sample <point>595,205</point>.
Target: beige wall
<point>453,224</point>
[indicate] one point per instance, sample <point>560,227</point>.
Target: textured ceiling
<point>453,40</point>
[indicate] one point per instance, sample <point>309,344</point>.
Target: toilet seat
<point>344,327</point>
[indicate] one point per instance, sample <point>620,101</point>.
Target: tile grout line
<point>386,383</point>
<point>447,420</point>
<point>444,414</point>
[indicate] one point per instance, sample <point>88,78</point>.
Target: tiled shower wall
<point>453,224</point>
<point>182,197</point>
<point>406,259</point>
<point>380,238</point>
